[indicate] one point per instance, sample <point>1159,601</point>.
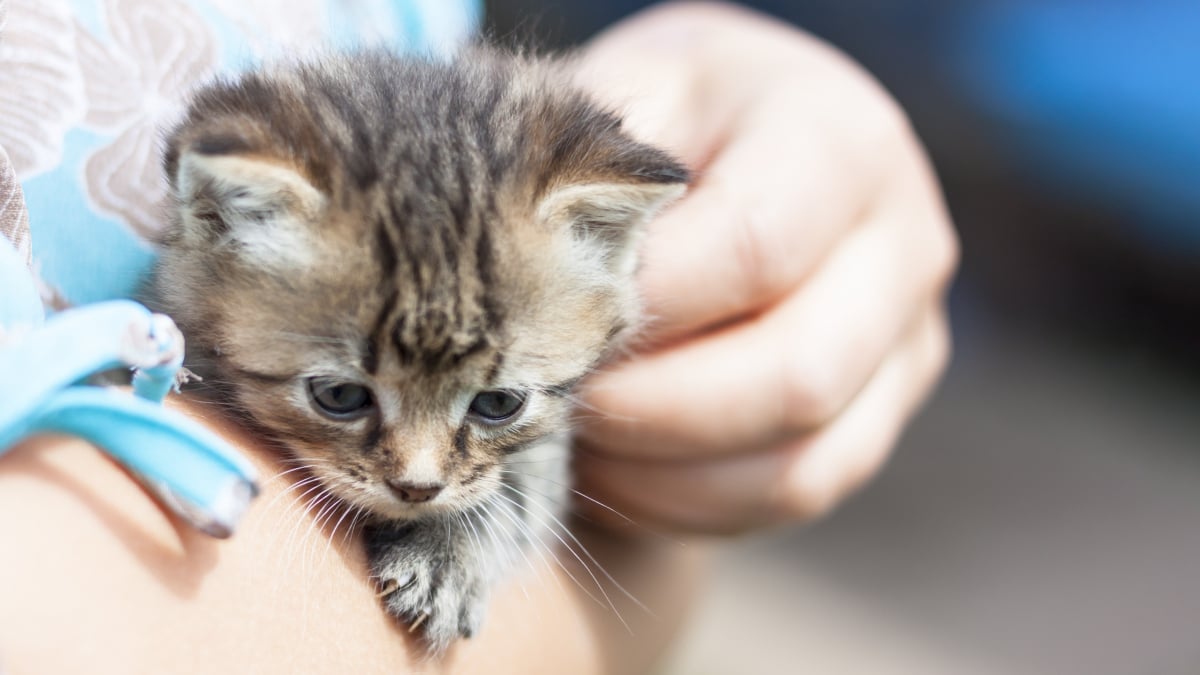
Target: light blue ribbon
<point>42,361</point>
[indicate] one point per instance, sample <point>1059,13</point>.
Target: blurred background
<point>1043,514</point>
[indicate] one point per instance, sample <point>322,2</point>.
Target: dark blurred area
<point>1066,134</point>
<point>1043,514</point>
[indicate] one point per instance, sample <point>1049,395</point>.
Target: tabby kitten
<point>398,269</point>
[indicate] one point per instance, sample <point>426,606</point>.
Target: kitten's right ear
<point>607,212</point>
<point>257,203</point>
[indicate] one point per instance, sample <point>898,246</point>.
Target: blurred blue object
<point>1102,98</point>
<point>191,470</point>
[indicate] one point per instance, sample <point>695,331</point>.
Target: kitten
<point>398,269</point>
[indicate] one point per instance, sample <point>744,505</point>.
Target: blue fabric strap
<point>193,471</point>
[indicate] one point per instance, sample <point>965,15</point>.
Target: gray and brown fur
<point>429,230</point>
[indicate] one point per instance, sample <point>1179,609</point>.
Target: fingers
<point>759,382</point>
<point>787,158</point>
<point>678,74</point>
<point>853,449</point>
<point>745,236</point>
<point>794,294</point>
<point>797,480</point>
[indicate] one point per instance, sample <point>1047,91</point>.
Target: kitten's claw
<point>420,620</point>
<point>434,585</point>
<point>390,586</point>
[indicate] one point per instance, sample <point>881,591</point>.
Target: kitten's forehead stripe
<point>353,125</point>
<point>460,205</point>
<point>487,280</point>
<point>377,337</point>
<point>449,250</point>
<point>385,249</point>
<point>403,352</point>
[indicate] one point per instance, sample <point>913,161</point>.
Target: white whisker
<point>567,531</point>
<point>648,530</point>
<point>513,544</point>
<point>587,568</point>
<point>333,533</point>
<point>523,529</point>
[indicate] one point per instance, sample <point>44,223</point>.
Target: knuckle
<point>867,465</point>
<point>940,246</point>
<point>936,239</point>
<point>753,255</point>
<point>810,393</point>
<point>808,502</point>
<point>948,253</point>
<point>886,121</point>
<point>749,249</point>
<point>941,347</point>
<point>882,130</point>
<point>822,485</point>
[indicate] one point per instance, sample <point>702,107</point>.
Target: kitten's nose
<point>413,493</point>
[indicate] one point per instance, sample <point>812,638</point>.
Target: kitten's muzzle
<point>414,493</point>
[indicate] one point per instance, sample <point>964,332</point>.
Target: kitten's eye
<point>339,400</point>
<point>497,407</point>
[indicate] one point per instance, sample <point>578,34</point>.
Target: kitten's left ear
<point>609,211</point>
<point>229,195</point>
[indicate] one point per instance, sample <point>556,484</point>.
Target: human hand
<point>795,295</point>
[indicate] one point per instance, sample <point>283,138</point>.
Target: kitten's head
<point>400,269</point>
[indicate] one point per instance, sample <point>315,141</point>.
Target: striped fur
<point>429,230</point>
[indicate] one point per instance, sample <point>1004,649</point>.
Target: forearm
<point>96,577</point>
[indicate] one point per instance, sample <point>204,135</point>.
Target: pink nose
<point>413,493</point>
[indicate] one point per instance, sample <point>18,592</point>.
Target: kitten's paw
<point>425,585</point>
<point>443,604</point>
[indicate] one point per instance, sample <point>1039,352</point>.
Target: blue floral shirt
<point>87,88</point>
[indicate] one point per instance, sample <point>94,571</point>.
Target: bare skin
<point>122,587</point>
